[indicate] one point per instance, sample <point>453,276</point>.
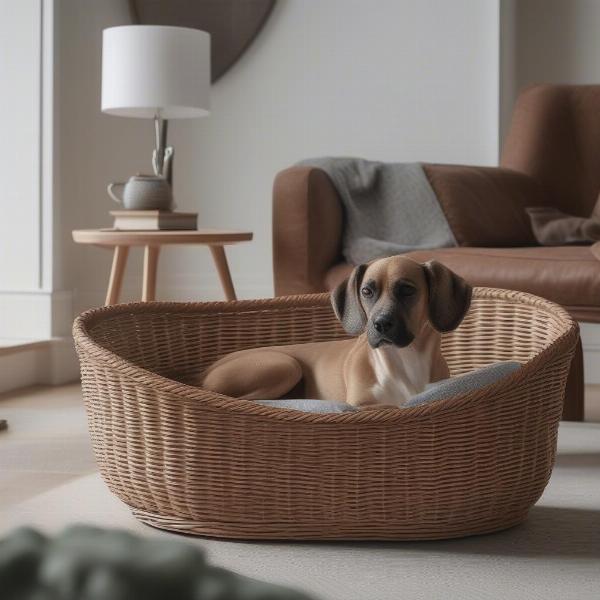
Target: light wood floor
<point>47,443</point>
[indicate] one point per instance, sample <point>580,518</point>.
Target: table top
<point>114,237</point>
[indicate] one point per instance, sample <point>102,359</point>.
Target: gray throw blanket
<point>390,208</point>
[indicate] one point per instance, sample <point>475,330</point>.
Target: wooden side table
<point>152,241</point>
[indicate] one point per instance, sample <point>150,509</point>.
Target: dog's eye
<point>367,292</point>
<point>405,289</point>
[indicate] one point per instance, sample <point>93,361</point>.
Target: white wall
<point>20,86</point>
<point>391,80</point>
<point>30,305</point>
<point>94,149</point>
<point>508,63</point>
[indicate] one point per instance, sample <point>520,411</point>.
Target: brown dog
<point>398,306</point>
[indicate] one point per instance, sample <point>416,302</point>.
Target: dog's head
<point>392,298</point>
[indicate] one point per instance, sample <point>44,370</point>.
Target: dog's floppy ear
<point>449,296</point>
<point>346,302</point>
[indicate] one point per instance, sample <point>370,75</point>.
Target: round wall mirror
<point>232,24</point>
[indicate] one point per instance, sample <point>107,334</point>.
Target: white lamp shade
<point>152,70</point>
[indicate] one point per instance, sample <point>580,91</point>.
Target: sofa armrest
<point>485,206</point>
<point>307,230</point>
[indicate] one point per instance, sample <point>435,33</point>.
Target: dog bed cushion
<point>312,406</point>
<point>440,390</point>
<point>468,382</point>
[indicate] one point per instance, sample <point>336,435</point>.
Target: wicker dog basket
<point>193,461</point>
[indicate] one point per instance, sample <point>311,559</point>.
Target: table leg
<point>150,266</point>
<point>116,274</point>
<point>218,254</point>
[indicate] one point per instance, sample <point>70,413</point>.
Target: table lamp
<point>156,72</point>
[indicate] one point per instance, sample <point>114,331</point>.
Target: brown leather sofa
<point>551,157</point>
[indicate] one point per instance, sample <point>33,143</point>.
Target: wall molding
<point>52,362</point>
<point>590,340</point>
<point>35,314</point>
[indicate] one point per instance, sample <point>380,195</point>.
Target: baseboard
<point>35,314</point>
<point>52,362</point>
<point>590,340</point>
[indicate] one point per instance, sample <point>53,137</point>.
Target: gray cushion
<point>440,390</point>
<point>454,386</point>
<point>313,406</point>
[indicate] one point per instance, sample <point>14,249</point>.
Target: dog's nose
<point>382,324</point>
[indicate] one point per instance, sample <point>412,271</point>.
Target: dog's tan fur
<point>416,301</point>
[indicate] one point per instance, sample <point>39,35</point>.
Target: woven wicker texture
<point>194,461</point>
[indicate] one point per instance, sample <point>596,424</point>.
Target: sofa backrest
<point>555,138</point>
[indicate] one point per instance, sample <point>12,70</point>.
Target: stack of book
<point>153,220</point>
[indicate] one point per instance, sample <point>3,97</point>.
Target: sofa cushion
<point>485,206</point>
<point>309,405</point>
<point>568,275</point>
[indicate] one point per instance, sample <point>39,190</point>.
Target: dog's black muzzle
<point>388,329</point>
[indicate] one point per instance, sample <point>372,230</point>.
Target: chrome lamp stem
<point>162,157</point>
<point>158,159</point>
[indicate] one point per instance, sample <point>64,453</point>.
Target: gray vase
<point>143,192</point>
